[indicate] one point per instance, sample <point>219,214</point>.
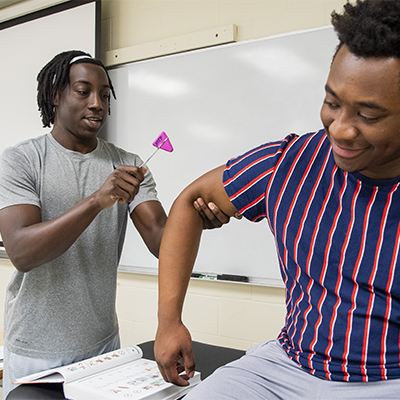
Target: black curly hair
<point>369,28</point>
<point>54,78</point>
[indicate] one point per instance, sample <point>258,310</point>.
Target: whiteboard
<point>214,104</point>
<point>25,49</point>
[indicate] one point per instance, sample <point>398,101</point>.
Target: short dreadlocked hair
<point>54,78</point>
<point>369,28</point>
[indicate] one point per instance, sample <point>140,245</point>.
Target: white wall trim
<point>190,41</point>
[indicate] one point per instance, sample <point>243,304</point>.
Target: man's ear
<point>55,100</point>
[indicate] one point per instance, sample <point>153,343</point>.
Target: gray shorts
<point>267,373</point>
<point>16,366</point>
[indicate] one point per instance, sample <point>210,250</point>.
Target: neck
<point>73,143</point>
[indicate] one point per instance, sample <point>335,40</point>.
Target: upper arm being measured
<point>211,189</point>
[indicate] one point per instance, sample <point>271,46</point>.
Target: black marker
<point>232,278</point>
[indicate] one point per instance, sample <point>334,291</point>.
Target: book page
<point>84,368</point>
<point>137,380</point>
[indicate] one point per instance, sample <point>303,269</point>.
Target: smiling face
<point>81,109</point>
<point>361,114</point>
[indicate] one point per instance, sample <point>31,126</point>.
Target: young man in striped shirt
<point>331,199</point>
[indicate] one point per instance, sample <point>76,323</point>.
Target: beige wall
<point>227,314</point>
<point>127,23</point>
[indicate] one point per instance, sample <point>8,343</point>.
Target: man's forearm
<point>179,247</point>
<point>42,242</point>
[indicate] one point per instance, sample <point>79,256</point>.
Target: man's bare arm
<point>31,242</point>
<point>149,219</point>
<point>178,252</point>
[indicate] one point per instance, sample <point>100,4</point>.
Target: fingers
<point>190,365</point>
<point>176,374</point>
<point>174,355</point>
<point>212,216</point>
<point>122,186</point>
<point>131,170</point>
<point>127,181</point>
<point>222,218</point>
<point>238,215</point>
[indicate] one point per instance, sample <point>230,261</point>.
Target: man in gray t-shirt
<point>65,198</point>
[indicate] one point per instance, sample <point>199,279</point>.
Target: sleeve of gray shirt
<point>17,179</point>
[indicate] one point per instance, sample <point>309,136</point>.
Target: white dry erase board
<point>26,45</point>
<point>214,104</point>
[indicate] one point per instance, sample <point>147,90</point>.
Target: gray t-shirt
<point>66,306</point>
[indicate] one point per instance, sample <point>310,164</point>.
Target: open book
<point>119,374</point>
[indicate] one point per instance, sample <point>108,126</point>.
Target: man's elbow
<point>154,243</point>
<point>21,263</point>
<point>22,259</point>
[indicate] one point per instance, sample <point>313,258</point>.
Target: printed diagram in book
<point>140,377</point>
<point>93,362</point>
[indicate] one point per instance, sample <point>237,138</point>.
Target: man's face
<point>82,108</point>
<point>361,114</point>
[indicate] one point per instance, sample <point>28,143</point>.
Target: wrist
<point>94,203</point>
<point>169,320</point>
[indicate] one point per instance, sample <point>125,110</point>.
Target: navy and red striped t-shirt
<point>338,237</point>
